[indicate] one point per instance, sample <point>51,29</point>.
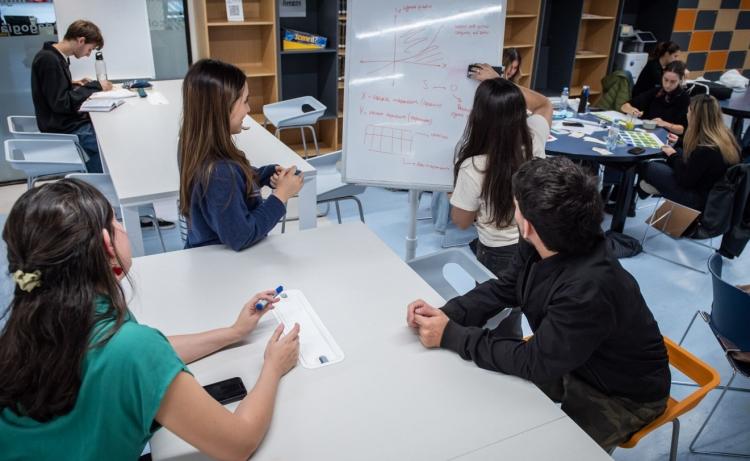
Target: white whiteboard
<point>127,37</point>
<point>407,97</point>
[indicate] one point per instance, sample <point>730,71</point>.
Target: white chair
<point>39,158</point>
<point>432,269</point>
<point>103,182</point>
<point>25,127</point>
<point>330,187</point>
<point>299,113</point>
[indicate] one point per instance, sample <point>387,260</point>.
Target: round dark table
<point>621,160</point>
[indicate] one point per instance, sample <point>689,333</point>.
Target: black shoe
<point>609,208</point>
<point>163,225</point>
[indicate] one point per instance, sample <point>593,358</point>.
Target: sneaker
<point>646,190</point>
<point>163,225</point>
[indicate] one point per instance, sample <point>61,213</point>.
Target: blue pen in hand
<point>262,303</point>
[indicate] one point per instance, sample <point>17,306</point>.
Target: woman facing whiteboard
<point>499,137</point>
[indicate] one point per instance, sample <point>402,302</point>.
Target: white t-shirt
<point>468,190</point>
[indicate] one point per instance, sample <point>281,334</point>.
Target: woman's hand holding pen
<point>288,183</point>
<point>250,316</point>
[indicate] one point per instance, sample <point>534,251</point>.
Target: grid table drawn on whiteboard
<point>387,140</point>
<point>641,139</point>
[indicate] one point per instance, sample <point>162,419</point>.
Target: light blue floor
<point>672,292</point>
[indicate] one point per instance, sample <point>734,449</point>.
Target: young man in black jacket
<point>57,97</point>
<point>596,346</point>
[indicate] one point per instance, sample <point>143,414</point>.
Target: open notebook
<point>100,105</point>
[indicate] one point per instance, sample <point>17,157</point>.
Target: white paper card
<point>317,348</point>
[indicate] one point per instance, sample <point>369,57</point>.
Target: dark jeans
<point>496,259</point>
<point>661,176</point>
<point>609,420</point>
<point>87,140</point>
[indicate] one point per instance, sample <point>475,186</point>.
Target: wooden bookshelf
<point>251,45</point>
<point>521,28</point>
<point>595,34</point>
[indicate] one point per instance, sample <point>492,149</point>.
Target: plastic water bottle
<point>583,105</point>
<point>101,68</point>
<point>564,98</point>
<point>613,136</point>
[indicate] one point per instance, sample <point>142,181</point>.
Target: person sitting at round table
<point>650,76</point>
<point>708,150</point>
<point>666,105</point>
<point>80,378</point>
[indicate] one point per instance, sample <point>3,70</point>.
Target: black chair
<point>729,321</point>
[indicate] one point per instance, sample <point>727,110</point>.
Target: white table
<point>138,144</point>
<point>389,399</point>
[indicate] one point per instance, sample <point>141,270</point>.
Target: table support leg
<point>308,208</point>
<point>624,197</point>
<point>131,219</point>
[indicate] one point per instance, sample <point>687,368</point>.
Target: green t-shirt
<point>122,386</point>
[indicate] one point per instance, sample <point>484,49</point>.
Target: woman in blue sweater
<point>219,189</point>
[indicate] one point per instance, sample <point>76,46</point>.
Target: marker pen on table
<point>262,303</point>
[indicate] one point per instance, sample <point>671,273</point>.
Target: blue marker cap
<point>262,303</point>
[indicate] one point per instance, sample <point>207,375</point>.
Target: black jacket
<point>703,168</point>
<point>588,318</point>
<point>56,99</point>
<point>670,107</point>
<point>727,212</point>
<point>649,78</point>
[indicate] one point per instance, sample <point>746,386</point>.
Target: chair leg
<point>650,222</point>
<point>359,207</point>
<point>338,211</point>
<point>304,141</point>
<point>155,221</point>
<point>705,423</point>
<point>30,182</point>
<point>690,325</point>
<point>315,139</point>
<point>675,439</point>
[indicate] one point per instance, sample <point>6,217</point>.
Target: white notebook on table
<point>100,105</point>
<point>317,348</point>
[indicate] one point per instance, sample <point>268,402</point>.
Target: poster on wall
<point>292,8</point>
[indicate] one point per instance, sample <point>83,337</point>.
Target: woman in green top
<point>79,377</point>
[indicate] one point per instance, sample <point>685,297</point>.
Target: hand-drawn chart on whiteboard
<point>407,96</point>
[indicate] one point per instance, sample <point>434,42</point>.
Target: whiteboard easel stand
<point>411,236</point>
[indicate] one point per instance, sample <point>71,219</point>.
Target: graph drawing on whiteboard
<point>416,47</point>
<point>387,140</point>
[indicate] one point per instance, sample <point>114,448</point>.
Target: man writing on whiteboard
<point>596,347</point>
<point>57,97</point>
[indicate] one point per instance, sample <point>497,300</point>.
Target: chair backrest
<point>431,269</point>
<point>25,127</point>
<point>694,368</point>
<point>22,124</point>
<point>730,311</point>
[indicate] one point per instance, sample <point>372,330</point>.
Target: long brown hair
<point>706,128</point>
<point>510,55</point>
<point>497,128</point>
<point>209,90</point>
<point>663,48</point>
<point>56,229</point>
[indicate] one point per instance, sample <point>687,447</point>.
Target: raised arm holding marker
<point>262,303</point>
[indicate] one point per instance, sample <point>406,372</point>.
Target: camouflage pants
<point>609,420</point>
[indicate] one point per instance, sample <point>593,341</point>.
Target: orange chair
<point>705,376</point>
